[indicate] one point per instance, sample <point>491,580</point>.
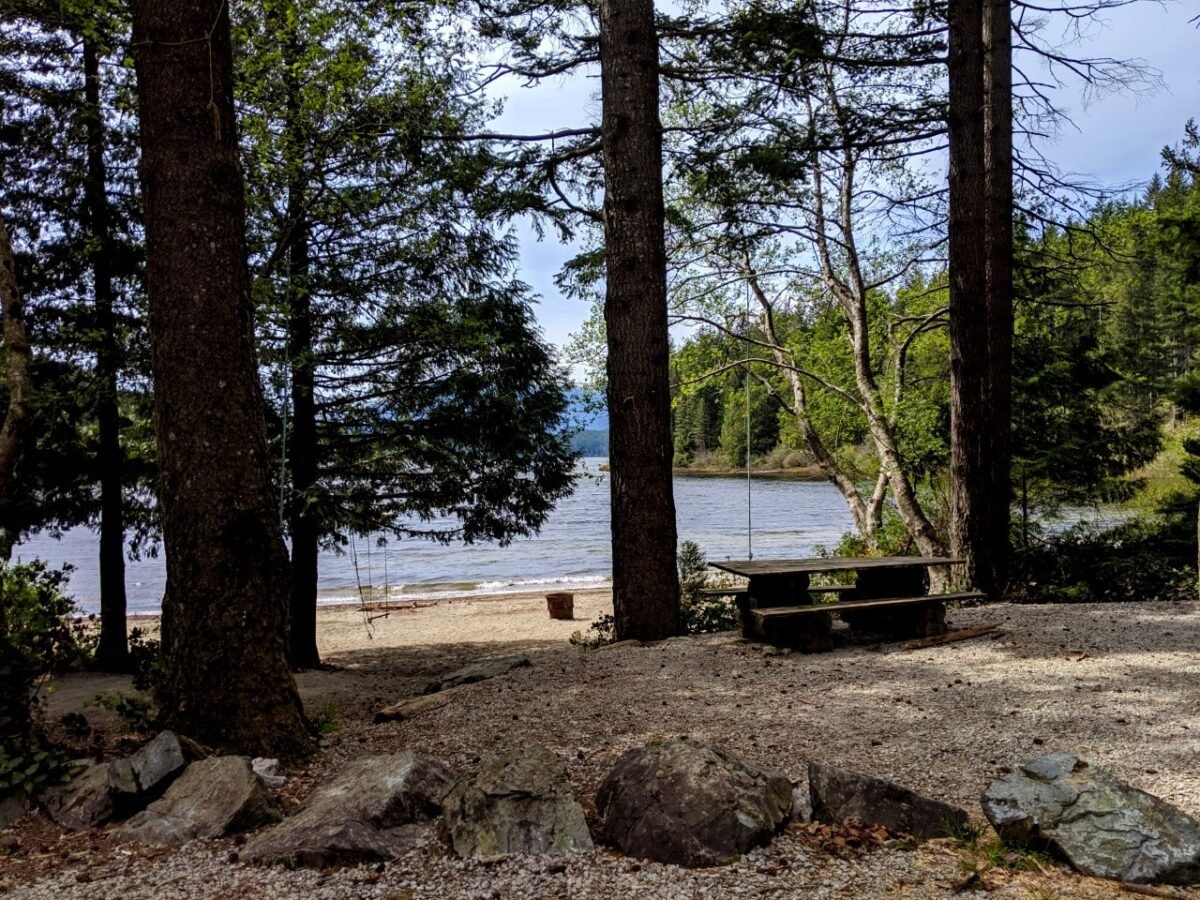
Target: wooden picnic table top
<point>749,568</point>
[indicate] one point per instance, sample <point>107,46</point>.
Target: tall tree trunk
<point>18,370</point>
<point>971,420</point>
<point>228,585</point>
<point>645,577</point>
<point>998,162</point>
<point>304,526</point>
<point>112,653</point>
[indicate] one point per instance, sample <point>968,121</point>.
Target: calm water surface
<point>790,518</point>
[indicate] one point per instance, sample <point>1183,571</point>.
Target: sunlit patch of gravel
<point>1115,684</point>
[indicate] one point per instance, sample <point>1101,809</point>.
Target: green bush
<point>701,614</point>
<point>1143,559</point>
<point>38,638</point>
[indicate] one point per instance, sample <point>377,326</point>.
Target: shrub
<point>37,639</point>
<point>701,614</point>
<point>599,633</point>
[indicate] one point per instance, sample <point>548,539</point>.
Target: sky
<point>1115,139</point>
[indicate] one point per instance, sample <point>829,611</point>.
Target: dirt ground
<point>1115,684</point>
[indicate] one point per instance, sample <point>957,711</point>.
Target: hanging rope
<point>362,601</point>
<point>749,506</point>
<point>283,476</point>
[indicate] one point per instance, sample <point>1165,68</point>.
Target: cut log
<point>406,709</point>
<point>963,634</point>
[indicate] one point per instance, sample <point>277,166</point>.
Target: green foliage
<point>701,614</point>
<point>1144,559</point>
<point>599,633</point>
<point>146,661</point>
<point>136,711</point>
<point>37,639</point>
<point>325,719</point>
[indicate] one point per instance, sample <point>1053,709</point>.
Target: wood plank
<point>950,637</point>
<point>748,568</point>
<point>779,612</point>
<point>745,591</point>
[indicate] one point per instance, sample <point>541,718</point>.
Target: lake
<point>790,518</point>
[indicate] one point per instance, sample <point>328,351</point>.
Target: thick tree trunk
<point>971,420</point>
<point>112,653</point>
<point>645,578</point>
<point>228,585</point>
<point>18,369</point>
<point>998,162</point>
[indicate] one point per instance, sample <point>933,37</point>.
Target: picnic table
<point>889,596</point>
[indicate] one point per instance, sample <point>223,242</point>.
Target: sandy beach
<point>1115,684</point>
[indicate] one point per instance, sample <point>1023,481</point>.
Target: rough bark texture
<point>112,652</point>
<point>18,361</point>
<point>971,422</point>
<point>645,580</point>
<point>225,612</point>
<point>998,162</point>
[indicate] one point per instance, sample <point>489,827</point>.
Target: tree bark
<point>19,369</point>
<point>304,526</point>
<point>645,577</point>
<point>998,162</point>
<point>228,585</point>
<point>971,421</point>
<point>112,652</point>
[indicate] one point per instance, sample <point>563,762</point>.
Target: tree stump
<point>561,605</point>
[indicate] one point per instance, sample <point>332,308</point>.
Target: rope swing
<point>749,504</point>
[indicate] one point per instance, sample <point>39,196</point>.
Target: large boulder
<point>480,670</point>
<point>1098,823</point>
<point>213,797</point>
<point>363,815</point>
<point>839,796</point>
<point>516,802</point>
<point>121,787</point>
<point>691,803</point>
<point>83,802</point>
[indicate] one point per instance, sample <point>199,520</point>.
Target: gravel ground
<point>1116,684</point>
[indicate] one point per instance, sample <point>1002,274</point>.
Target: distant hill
<point>591,442</point>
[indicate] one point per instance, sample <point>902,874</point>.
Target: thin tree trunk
<point>998,162</point>
<point>304,526</point>
<point>19,369</point>
<point>645,577</point>
<point>112,652</point>
<point>228,585</point>
<point>971,421</point>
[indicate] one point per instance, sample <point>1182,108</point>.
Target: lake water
<point>790,518</point>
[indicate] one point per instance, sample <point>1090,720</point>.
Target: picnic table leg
<point>901,623</point>
<point>811,633</point>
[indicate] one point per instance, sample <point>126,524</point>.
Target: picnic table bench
<point>889,597</point>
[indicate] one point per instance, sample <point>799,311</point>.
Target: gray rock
<point>517,802</point>
<point>122,787</point>
<point>146,774</point>
<point>84,802</point>
<point>691,803</point>
<point>480,670</point>
<point>840,796</point>
<point>363,815</point>
<point>11,809</point>
<point>213,797</point>
<point>1098,823</point>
